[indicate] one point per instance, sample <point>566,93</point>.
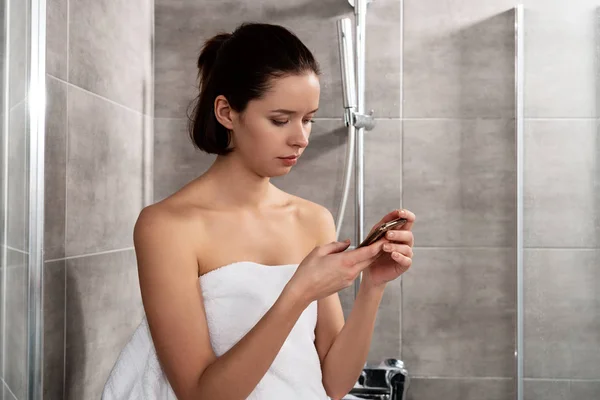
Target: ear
<point>223,112</point>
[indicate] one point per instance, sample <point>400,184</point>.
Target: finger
<point>405,237</point>
<point>403,249</point>
<point>410,219</point>
<point>363,254</point>
<point>402,260</point>
<point>334,247</point>
<point>387,218</point>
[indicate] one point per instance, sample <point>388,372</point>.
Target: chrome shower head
<point>347,62</point>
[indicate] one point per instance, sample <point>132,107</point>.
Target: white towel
<point>236,296</point>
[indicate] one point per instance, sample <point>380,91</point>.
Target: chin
<point>280,172</point>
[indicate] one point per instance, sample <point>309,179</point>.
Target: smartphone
<point>381,230</point>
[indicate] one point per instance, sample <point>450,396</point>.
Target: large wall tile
<point>103,309</point>
<point>315,24</point>
<point>562,314</point>
<point>458,313</point>
<point>458,59</point>
<point>56,38</point>
<point>561,58</point>
<point>176,160</point>
<point>561,390</point>
<point>54,329</point>
<point>383,59</point>
<point>110,50</point>
<point>459,177</point>
<point>461,389</point>
<point>104,174</point>
<point>18,178</point>
<point>562,183</point>
<point>387,335</point>
<point>55,173</point>
<point>177,49</point>
<point>15,336</point>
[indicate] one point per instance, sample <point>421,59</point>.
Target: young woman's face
<point>277,125</point>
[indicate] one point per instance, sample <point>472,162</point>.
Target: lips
<point>289,157</point>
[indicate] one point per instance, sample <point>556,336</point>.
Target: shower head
<point>347,62</point>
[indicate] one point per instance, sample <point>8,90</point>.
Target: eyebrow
<point>290,112</point>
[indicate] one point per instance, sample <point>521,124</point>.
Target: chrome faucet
<point>387,381</point>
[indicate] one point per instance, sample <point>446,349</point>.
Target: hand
<point>327,269</point>
<point>396,257</point>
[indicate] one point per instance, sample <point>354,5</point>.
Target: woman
<point>239,279</point>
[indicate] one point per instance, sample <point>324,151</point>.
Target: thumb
<point>335,247</point>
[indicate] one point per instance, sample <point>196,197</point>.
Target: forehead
<point>293,92</point>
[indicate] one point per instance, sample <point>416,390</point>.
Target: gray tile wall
<point>444,85</point>
<point>459,178</point>
<point>562,200</point>
<point>99,127</point>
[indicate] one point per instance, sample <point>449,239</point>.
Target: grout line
<point>563,248</point>
<point>20,103</point>
<point>458,118</point>
<point>401,319</point>
<point>16,250</point>
<point>5,153</point>
<point>470,378</point>
<point>149,181</point>
<point>561,380</point>
<point>99,96</point>
<point>67,135</point>
<point>68,36</point>
<point>9,390</point>
<point>90,254</point>
<point>64,377</point>
<point>505,247</point>
<point>560,118</point>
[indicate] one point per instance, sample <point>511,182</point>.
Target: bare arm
<point>174,308</point>
<point>344,347</point>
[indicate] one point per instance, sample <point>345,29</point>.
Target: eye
<point>278,122</point>
<point>308,121</point>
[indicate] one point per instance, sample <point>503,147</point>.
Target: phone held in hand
<point>381,230</point>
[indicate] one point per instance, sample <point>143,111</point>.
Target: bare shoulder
<point>317,218</point>
<point>162,219</point>
<point>167,228</point>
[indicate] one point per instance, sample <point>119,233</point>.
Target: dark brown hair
<point>240,66</point>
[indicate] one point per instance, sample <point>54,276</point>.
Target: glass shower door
<point>22,61</point>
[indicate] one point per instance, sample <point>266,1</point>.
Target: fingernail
<point>396,255</point>
<point>387,246</point>
<point>390,234</point>
<point>400,212</point>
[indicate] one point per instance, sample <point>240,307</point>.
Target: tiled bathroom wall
<point>99,127</point>
<point>440,79</point>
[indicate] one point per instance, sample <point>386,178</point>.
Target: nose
<point>300,136</point>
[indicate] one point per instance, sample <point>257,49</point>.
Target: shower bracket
<point>358,120</point>
<point>353,1</point>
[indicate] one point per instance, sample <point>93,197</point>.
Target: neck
<point>235,185</point>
